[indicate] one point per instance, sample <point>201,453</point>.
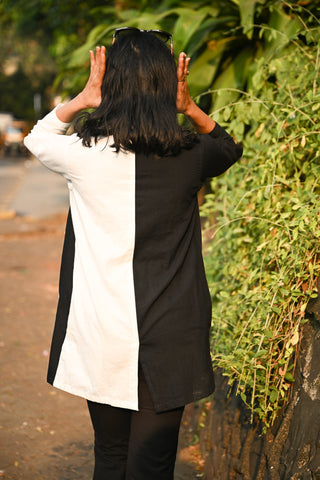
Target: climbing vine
<point>262,233</point>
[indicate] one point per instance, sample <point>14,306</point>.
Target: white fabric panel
<point>99,358</point>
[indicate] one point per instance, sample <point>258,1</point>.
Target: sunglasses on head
<point>164,36</point>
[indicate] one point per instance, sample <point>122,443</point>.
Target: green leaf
<point>247,8</point>
<point>288,376</point>
<point>81,55</point>
<point>187,25</point>
<point>273,396</point>
<point>204,68</point>
<point>243,396</point>
<point>231,81</point>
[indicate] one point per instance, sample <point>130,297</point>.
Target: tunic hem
<point>96,398</point>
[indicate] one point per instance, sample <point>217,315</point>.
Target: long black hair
<point>138,106</point>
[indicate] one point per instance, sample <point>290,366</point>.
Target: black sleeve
<point>219,152</point>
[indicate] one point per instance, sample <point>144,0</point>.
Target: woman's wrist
<point>70,110</point>
<point>202,122</point>
<point>190,108</point>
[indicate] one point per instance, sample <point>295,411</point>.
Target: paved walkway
<point>29,189</point>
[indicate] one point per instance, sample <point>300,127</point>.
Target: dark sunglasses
<point>164,36</point>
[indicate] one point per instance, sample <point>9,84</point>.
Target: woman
<point>134,312</point>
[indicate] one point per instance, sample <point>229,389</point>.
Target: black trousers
<point>135,445</point>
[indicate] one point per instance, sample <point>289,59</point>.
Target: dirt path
<point>45,434</point>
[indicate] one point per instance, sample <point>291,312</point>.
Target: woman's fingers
<point>186,66</point>
<point>183,65</point>
<point>98,60</point>
<point>183,96</point>
<point>92,60</point>
<point>102,60</point>
<point>98,57</point>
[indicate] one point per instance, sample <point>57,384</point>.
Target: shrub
<point>262,232</point>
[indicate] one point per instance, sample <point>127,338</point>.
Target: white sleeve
<point>47,141</point>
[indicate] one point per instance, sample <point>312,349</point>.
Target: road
<point>28,189</point>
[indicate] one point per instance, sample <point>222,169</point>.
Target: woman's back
<point>137,278</point>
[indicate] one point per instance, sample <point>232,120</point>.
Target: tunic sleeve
<point>219,152</point>
<point>47,142</point>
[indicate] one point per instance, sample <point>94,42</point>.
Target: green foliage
<point>193,25</point>
<point>16,96</point>
<point>262,233</point>
<point>222,38</point>
<point>36,37</point>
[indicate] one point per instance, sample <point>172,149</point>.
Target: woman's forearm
<point>202,122</point>
<point>68,111</point>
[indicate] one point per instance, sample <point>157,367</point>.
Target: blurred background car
<point>12,133</point>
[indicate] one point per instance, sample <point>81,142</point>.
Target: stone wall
<point>234,449</point>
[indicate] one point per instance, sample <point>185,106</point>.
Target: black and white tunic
<point>132,283</point>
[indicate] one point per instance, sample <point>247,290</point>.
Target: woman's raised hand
<point>183,97</point>
<point>91,94</point>
<point>202,122</point>
<point>90,97</point>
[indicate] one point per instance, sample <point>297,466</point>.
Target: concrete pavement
<point>31,190</point>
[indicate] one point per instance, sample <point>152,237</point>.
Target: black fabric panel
<point>219,152</point>
<point>172,297</point>
<point>65,292</point>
